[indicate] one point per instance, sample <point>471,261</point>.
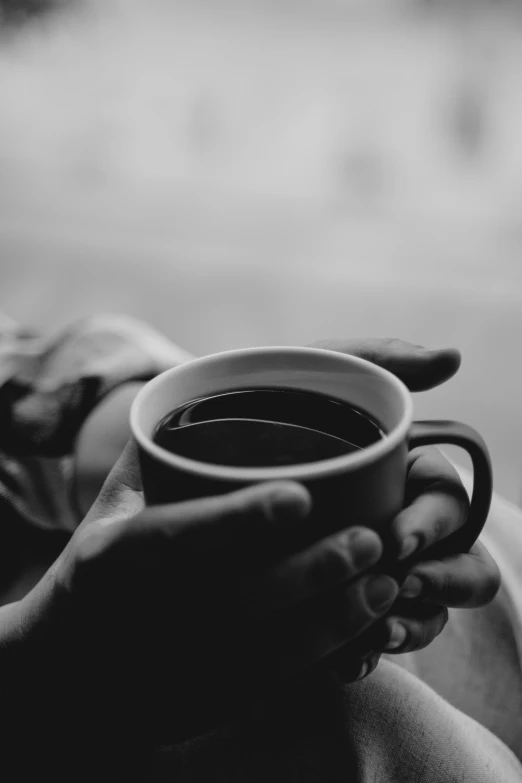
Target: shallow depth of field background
<point>249,172</point>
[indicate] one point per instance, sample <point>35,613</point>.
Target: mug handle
<point>424,433</point>
<point>427,433</point>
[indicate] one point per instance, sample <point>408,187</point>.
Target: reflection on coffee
<point>259,428</point>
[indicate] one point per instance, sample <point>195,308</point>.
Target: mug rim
<point>298,472</point>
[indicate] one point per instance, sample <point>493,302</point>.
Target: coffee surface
<point>266,428</point>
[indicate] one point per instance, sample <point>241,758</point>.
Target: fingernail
<point>397,636</point>
<point>364,670</point>
<point>412,587</point>
<point>291,500</point>
<point>409,545</point>
<point>380,592</point>
<point>364,548</point>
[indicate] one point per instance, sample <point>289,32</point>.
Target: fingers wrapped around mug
<point>418,367</point>
<point>315,602</point>
<point>464,581</point>
<point>409,633</point>
<point>436,504</point>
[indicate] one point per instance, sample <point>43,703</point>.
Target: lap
<point>390,728</point>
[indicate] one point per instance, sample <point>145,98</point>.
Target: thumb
<point>249,525</point>
<point>121,496</point>
<point>419,368</point>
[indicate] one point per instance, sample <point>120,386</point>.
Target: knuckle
<point>380,350</point>
<point>456,491</point>
<point>434,532</point>
<point>437,529</point>
<point>446,515</point>
<point>376,350</point>
<point>438,586</point>
<point>391,342</point>
<point>448,483</point>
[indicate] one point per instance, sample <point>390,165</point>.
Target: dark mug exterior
<point>366,488</point>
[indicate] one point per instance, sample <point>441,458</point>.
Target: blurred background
<point>249,172</point>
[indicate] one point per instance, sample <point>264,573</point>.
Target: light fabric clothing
<point>448,714</point>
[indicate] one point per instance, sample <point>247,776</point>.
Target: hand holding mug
<point>169,614</point>
<point>433,489</point>
<point>366,488</point>
<point>436,505</point>
<point>170,618</point>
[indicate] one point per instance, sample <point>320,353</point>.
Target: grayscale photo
<point>260,391</point>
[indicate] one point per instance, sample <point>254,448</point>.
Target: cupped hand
<point>166,618</point>
<point>436,505</point>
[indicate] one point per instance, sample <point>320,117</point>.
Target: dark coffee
<point>258,428</point>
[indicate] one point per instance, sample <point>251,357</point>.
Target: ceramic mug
<point>361,488</point>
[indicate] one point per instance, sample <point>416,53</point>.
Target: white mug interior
<point>350,379</point>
